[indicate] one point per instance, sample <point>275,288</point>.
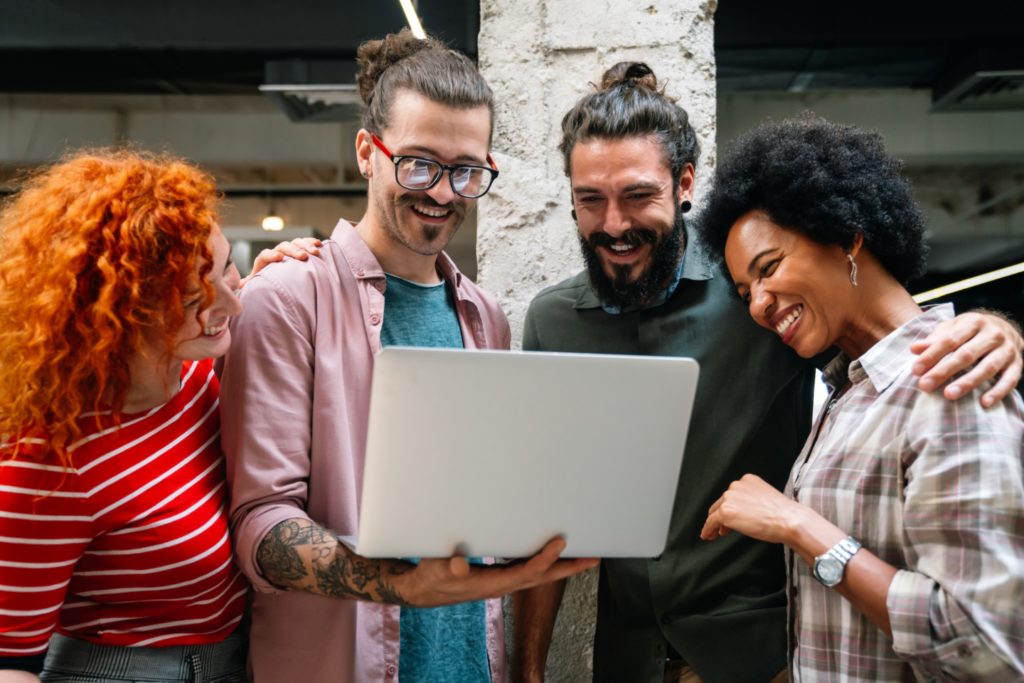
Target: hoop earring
<point>853,269</point>
<point>686,205</point>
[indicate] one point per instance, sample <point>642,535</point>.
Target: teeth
<point>214,329</point>
<point>788,320</point>
<point>621,248</point>
<point>432,211</point>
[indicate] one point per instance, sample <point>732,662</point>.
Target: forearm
<point>298,554</point>
<point>867,578</point>
<point>534,614</point>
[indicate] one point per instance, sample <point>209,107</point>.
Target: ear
<point>858,242</point>
<point>686,179</point>
<point>364,149</point>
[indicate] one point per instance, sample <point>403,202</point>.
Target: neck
<point>394,257</point>
<point>883,305</point>
<point>153,383</point>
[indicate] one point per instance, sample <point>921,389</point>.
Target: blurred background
<point>261,93</point>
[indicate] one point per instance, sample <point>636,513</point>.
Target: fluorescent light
<point>273,223</point>
<point>412,19</point>
<point>954,287</point>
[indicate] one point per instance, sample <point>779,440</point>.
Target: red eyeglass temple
<point>380,144</point>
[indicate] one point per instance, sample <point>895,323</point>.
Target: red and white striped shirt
<point>129,546</point>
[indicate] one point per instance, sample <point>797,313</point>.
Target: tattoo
<point>277,557</point>
<point>298,554</point>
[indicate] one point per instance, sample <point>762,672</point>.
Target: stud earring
<point>853,269</point>
<point>686,205</point>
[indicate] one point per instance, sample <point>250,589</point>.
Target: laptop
<point>493,453</point>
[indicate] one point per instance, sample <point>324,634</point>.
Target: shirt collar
<point>364,264</point>
<point>695,265</point>
<point>887,359</point>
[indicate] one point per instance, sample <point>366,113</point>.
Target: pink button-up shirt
<point>296,388</point>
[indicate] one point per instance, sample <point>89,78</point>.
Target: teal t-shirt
<point>437,643</point>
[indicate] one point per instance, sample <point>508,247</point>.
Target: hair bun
<point>374,57</point>
<point>629,73</point>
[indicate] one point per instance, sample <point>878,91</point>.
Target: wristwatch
<point>830,567</point>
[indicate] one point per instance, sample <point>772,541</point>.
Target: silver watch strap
<point>844,549</point>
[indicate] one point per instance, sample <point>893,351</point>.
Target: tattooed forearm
<point>300,555</point>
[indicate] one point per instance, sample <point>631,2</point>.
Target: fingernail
<point>954,391</point>
<point>917,368</point>
<point>927,384</point>
<point>987,401</point>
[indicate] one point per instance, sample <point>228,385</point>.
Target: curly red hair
<point>99,253</point>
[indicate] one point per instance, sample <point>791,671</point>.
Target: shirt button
<point>375,319</point>
<point>390,670</point>
<point>360,272</point>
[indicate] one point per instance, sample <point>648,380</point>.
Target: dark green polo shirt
<point>720,604</point>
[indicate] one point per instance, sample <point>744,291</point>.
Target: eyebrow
<point>752,268</point>
<point>461,159</point>
<point>629,188</point>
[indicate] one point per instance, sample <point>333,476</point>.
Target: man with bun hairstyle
<point>301,362</point>
<point>700,611</point>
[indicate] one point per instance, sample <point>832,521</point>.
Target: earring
<point>573,212</point>
<point>686,205</point>
<point>853,269</point>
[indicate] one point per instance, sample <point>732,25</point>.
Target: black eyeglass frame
<point>492,169</point>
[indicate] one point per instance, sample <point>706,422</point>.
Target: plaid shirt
<point>934,488</point>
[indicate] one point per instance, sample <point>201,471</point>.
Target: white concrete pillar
<point>540,56</point>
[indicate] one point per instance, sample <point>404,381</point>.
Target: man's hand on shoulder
<point>984,344</point>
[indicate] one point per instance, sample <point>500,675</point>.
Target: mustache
<point>427,200</point>
<point>634,237</point>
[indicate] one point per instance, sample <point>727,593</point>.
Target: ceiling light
<point>954,287</point>
<point>272,223</point>
<point>412,19</point>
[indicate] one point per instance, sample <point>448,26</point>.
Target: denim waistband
<point>71,658</point>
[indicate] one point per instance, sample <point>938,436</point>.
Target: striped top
<point>130,546</point>
<point>933,487</point>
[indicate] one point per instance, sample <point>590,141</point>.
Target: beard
<point>622,290</point>
<point>421,238</point>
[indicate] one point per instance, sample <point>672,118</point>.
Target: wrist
<point>810,534</point>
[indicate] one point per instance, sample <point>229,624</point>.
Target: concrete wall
<point>540,56</point>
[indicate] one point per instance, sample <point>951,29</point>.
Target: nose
<point>442,192</point>
<point>227,293</point>
<point>762,304</point>
<point>615,220</point>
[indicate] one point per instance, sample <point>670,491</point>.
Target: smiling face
<point>206,335</point>
<point>794,286</point>
<point>628,216</point>
<point>423,221</point>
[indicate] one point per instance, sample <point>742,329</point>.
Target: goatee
<point>621,290</point>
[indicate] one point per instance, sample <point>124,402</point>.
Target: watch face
<point>828,570</point>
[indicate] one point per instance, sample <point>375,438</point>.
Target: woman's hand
<point>755,508</point>
<point>300,248</point>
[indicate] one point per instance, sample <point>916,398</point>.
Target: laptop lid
<point>493,453</point>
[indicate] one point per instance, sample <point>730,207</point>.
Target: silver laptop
<point>492,453</point>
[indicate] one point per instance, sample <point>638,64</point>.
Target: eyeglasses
<point>420,173</point>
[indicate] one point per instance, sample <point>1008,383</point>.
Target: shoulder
<point>560,296</point>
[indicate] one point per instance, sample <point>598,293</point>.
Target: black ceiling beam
<point>813,23</point>
<point>196,46</point>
